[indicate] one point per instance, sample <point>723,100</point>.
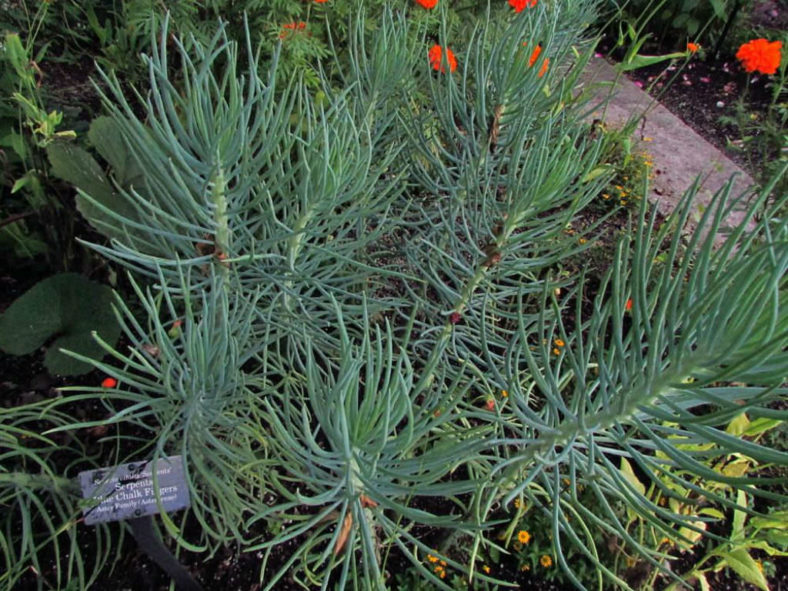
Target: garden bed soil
<point>704,92</point>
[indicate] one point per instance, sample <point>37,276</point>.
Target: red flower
<point>288,27</point>
<point>693,47</point>
<point>435,56</point>
<point>321,1</point>
<point>428,4</point>
<point>761,56</point>
<point>628,305</point>
<point>455,317</point>
<point>519,5</point>
<point>109,383</point>
<point>490,404</point>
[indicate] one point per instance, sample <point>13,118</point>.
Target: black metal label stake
<point>134,492</point>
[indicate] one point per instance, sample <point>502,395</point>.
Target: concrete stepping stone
<point>679,154</point>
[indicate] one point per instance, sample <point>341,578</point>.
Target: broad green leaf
<point>738,425</point>
<point>691,534</point>
<point>641,61</point>
<point>15,141</point>
<point>745,566</point>
<point>67,308</point>
<point>739,516</point>
<point>629,474</point>
<point>107,137</point>
<point>75,165</point>
<point>596,173</point>
<point>711,512</point>
<point>17,57</point>
<point>780,540</point>
<point>776,520</point>
<point>719,7</point>
<point>761,425</point>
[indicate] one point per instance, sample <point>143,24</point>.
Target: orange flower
<point>428,4</point>
<point>288,27</point>
<point>546,561</point>
<point>693,47</point>
<point>321,1</point>
<point>523,536</point>
<point>109,383</point>
<point>628,305</point>
<point>519,5</point>
<point>545,64</point>
<point>435,56</point>
<point>535,56</point>
<point>761,56</point>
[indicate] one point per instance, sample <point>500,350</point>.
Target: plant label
<point>134,490</point>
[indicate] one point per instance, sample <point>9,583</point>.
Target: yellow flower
<point>523,536</point>
<point>559,343</point>
<point>504,393</point>
<point>486,568</point>
<point>546,561</point>
<point>517,503</point>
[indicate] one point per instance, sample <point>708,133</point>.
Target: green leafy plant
<point>342,286</point>
<point>763,135</point>
<point>674,22</point>
<point>63,312</point>
<point>25,128</point>
<point>40,501</point>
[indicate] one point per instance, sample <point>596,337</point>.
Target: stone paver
<point>678,152</point>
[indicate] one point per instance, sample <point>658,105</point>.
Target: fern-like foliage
<point>337,280</point>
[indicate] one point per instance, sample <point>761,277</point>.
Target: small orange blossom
<point>520,5</point>
<point>435,56</point>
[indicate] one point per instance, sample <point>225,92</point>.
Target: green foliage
<point>25,127</point>
<point>674,22</point>
<point>67,308</point>
<point>76,166</point>
<point>344,277</point>
<point>40,502</point>
<point>763,134</point>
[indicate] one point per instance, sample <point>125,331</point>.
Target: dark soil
<point>707,89</point>
<point>702,93</point>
